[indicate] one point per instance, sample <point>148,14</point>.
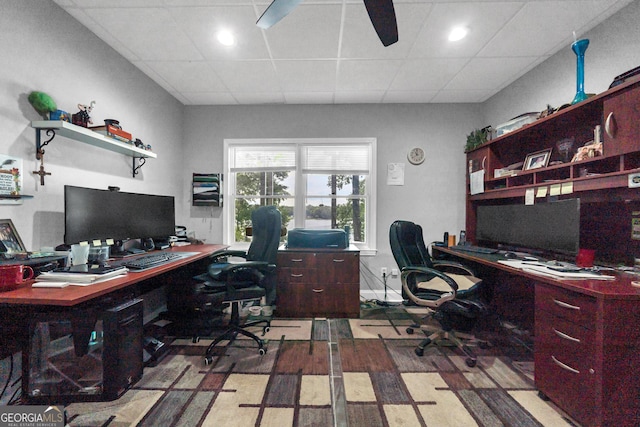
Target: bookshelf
<point>81,134</point>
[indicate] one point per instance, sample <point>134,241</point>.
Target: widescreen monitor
<point>551,227</point>
<point>91,214</point>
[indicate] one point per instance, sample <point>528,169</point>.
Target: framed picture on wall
<point>536,160</point>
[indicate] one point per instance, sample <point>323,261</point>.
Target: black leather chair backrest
<point>407,245</point>
<point>266,222</point>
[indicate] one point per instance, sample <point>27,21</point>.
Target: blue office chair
<point>252,279</point>
<point>449,289</point>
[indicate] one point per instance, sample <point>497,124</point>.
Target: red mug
<point>13,275</point>
<point>585,257</point>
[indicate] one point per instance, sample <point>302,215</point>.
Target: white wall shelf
<point>82,134</point>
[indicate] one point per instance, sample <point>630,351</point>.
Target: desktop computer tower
<point>63,367</point>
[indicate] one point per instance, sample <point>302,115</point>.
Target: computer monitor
<point>550,227</point>
<point>91,214</point>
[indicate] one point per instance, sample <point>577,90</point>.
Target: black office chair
<point>249,280</point>
<point>447,288</point>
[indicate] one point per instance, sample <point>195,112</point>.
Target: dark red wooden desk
<point>587,337</point>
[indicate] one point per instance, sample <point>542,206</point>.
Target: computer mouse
<point>510,255</point>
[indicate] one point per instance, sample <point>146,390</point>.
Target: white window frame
<point>228,209</point>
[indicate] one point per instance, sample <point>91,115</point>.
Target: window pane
<point>340,212</point>
<point>246,206</point>
<point>339,185</point>
<point>280,183</point>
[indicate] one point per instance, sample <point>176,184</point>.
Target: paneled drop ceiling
<point>326,51</point>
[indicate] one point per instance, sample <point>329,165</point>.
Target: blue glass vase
<point>579,47</point>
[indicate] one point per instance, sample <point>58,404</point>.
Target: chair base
<point>459,339</point>
<point>236,328</point>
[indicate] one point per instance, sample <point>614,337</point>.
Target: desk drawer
<point>296,259</point>
<point>567,342</point>
<point>299,275</point>
<point>572,306</point>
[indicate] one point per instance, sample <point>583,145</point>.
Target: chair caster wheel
<point>265,330</point>
<point>262,351</point>
<point>410,331</point>
<point>195,340</point>
<point>208,360</point>
<point>470,362</point>
<point>419,351</point>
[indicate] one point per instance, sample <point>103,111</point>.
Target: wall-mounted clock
<point>416,156</point>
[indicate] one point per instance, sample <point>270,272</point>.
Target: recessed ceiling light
<point>226,38</point>
<point>458,33</point>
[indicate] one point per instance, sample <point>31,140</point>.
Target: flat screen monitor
<point>91,214</point>
<point>551,227</point>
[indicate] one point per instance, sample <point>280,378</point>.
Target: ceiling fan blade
<point>277,10</point>
<point>383,18</point>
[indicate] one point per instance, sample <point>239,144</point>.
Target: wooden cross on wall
<point>41,171</point>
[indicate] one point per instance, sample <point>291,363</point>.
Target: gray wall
<point>45,49</point>
<point>433,194</point>
<point>614,47</point>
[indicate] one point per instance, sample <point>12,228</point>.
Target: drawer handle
<point>297,275</point>
<point>563,366</point>
<point>338,260</point>
<point>565,336</point>
<point>565,305</point>
<point>296,259</point>
<point>317,291</point>
<point>610,125</point>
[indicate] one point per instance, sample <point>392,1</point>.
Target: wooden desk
<point>74,295</point>
<point>587,338</point>
<point>19,305</point>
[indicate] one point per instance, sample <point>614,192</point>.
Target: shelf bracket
<point>51,133</point>
<point>142,161</point>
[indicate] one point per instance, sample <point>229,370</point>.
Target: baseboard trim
<point>392,296</point>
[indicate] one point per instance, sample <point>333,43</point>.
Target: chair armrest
<point>447,265</point>
<point>226,253</point>
<point>444,297</point>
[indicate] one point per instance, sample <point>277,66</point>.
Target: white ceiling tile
<point>151,33</point>
<point>210,98</point>
<point>489,73</point>
<point>483,20</point>
<point>542,27</point>
<point>366,75</point>
<point>360,40</point>
<point>327,52</point>
<point>311,31</point>
<point>247,76</point>
<point>305,76</point>
<point>201,25</point>
<point>427,74</point>
<point>188,76</point>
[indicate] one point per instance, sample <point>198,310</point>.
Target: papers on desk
<point>544,270</point>
<point>78,279</point>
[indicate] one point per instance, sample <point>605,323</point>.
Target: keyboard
<point>152,260</point>
<point>475,249</point>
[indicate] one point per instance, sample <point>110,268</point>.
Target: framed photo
<point>536,160</point>
<point>10,241</point>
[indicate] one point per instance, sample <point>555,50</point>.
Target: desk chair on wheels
<point>447,288</point>
<point>251,279</point>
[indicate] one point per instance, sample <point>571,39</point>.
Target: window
<point>315,183</point>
